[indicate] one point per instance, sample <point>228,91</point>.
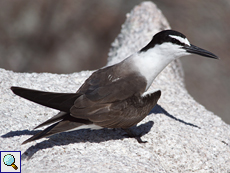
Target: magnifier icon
<point>9,160</point>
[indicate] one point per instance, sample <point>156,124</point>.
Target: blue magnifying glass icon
<point>9,160</point>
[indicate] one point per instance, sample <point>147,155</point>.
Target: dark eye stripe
<point>173,40</point>
<point>164,37</point>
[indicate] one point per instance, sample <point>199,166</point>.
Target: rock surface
<point>182,135</point>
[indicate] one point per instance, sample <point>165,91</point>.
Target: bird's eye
<point>174,40</point>
<point>177,42</point>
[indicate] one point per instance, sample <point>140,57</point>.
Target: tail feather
<point>66,122</point>
<point>58,117</point>
<point>58,127</point>
<point>64,116</point>
<point>40,134</point>
<point>59,101</point>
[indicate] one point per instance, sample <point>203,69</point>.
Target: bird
<point>115,96</point>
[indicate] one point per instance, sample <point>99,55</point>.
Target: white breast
<point>150,64</point>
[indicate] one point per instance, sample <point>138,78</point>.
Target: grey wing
<point>119,114</point>
<point>103,87</point>
<point>99,97</point>
<point>127,113</point>
<point>119,90</point>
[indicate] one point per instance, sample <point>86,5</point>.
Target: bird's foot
<point>130,134</point>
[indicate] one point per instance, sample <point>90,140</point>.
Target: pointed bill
<point>196,50</point>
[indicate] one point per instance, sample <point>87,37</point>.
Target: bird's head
<point>170,43</point>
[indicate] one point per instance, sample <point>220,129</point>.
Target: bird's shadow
<point>93,136</point>
<point>65,138</point>
<point>159,110</point>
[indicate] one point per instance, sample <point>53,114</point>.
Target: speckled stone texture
<point>182,135</point>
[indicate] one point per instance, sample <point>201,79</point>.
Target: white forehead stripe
<point>182,40</point>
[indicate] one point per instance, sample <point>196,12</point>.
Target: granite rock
<point>182,135</point>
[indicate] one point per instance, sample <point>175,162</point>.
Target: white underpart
<point>90,126</point>
<point>151,62</point>
<point>181,39</point>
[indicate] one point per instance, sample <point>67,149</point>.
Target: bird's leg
<point>130,134</point>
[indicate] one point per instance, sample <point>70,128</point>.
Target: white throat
<point>151,62</point>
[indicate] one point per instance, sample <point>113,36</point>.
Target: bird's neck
<point>149,63</point>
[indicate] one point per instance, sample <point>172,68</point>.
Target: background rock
<point>182,135</point>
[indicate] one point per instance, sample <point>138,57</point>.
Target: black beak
<point>199,51</point>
